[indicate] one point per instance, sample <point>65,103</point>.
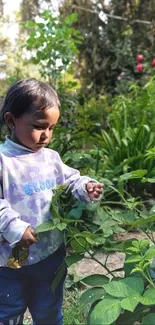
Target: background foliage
<point>88,51</point>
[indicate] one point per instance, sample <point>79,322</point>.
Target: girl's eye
<point>37,127</point>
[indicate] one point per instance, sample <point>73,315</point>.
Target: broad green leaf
<point>125,287</point>
<point>91,295</point>
<point>148,297</point>
<point>132,249</point>
<point>133,259</point>
<point>135,282</point>
<point>148,319</point>
<point>95,280</point>
<point>46,226</point>
<point>79,246</point>
<point>75,213</point>
<point>130,303</point>
<point>118,289</point>
<point>150,253</point>
<point>105,312</point>
<point>74,258</point>
<point>61,226</point>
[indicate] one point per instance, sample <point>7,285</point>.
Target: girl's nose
<point>45,134</point>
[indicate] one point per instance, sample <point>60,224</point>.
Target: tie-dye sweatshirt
<point>26,182</point>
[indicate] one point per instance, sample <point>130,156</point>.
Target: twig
<point>113,16</point>
<point>94,258</point>
<point>151,238</point>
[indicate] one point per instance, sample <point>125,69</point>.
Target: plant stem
<point>149,276</point>
<point>145,232</point>
<point>149,280</point>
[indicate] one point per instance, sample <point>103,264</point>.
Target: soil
<point>88,267</point>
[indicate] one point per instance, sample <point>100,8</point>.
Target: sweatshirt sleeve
<point>12,227</point>
<point>72,178</point>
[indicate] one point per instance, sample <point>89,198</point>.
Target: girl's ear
<point>9,120</point>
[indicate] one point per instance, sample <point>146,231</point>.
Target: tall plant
<point>53,44</point>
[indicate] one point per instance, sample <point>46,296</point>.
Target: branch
<point>93,257</point>
<point>113,16</point>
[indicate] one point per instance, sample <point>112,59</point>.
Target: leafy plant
<point>122,299</point>
<point>53,44</point>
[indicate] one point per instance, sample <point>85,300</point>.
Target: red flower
<point>153,63</point>
<point>139,67</point>
<point>139,58</point>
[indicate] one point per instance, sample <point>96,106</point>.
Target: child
<point>28,172</point>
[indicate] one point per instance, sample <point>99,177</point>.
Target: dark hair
<point>26,94</point>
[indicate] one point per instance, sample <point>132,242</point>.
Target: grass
<point>74,313</point>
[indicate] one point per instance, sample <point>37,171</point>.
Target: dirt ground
<point>87,266</point>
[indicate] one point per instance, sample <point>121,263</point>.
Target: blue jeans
<point>30,286</point>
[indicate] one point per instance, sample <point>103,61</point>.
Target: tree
<point>53,44</point>
<point>1,7</point>
<point>111,44</point>
<point>31,8</point>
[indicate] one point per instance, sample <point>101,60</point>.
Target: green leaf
<point>125,287</point>
<point>55,213</point>
<point>75,213</point>
<point>61,226</point>
<point>133,259</point>
<point>148,180</point>
<point>133,174</point>
<point>150,253</point>
<point>130,303</point>
<point>91,295</point>
<point>148,297</point>
<point>135,282</point>
<point>138,245</point>
<point>148,319</point>
<point>74,258</point>
<point>46,226</point>
<point>141,243</point>
<point>118,289</point>
<point>132,249</point>
<point>143,221</point>
<point>95,280</point>
<point>77,247</point>
<point>135,270</point>
<point>105,312</point>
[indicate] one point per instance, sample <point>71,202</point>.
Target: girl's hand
<point>28,238</point>
<point>94,190</point>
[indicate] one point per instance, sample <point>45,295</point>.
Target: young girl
<point>28,172</point>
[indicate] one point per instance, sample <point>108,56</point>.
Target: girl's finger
<point>32,239</point>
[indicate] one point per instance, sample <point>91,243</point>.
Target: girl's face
<point>33,130</point>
